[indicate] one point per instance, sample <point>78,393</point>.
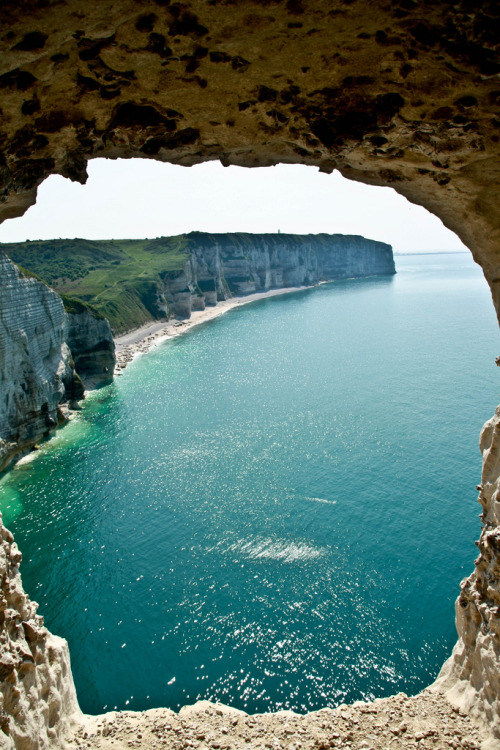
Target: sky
<point>138,198</point>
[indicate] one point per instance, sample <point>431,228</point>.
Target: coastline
<point>141,340</point>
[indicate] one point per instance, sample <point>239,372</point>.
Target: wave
<point>271,549</point>
<point>321,500</point>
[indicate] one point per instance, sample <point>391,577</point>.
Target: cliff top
<point>123,279</point>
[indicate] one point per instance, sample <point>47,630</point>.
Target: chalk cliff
<point>47,354</point>
<point>471,676</point>
<point>36,369</point>
<point>37,694</point>
<point>89,337</point>
<point>395,94</point>
<point>225,265</point>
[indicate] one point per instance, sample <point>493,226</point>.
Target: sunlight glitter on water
<point>270,549</point>
<point>254,509</point>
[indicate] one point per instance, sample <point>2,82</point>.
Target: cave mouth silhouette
<point>139,198</point>
<point>371,189</point>
<point>401,95</point>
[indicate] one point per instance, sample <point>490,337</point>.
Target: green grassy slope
<point>120,278</point>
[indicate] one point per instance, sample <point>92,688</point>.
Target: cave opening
<point>401,95</point>
<point>139,198</point>
<point>278,550</point>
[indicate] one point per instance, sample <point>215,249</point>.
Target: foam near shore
<point>141,340</point>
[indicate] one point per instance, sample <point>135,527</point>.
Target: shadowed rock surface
<point>90,340</point>
<point>403,94</point>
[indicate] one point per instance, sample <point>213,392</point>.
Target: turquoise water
<point>275,510</point>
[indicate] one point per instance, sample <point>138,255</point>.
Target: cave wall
<point>37,696</point>
<point>403,94</point>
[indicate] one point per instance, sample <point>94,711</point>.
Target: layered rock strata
<point>47,355</point>
<point>225,265</point>
<point>36,369</point>
<point>37,694</point>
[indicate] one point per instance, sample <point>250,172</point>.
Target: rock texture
<point>225,265</point>
<point>471,677</point>
<point>90,340</point>
<point>37,695</point>
<point>426,721</point>
<point>36,370</point>
<point>404,94</point>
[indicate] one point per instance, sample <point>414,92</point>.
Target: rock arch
<point>402,93</point>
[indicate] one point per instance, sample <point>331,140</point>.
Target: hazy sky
<point>141,198</point>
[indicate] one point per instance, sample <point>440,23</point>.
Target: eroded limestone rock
<point>237,264</point>
<point>471,677</point>
<point>400,723</point>
<point>45,354</point>
<point>36,369</point>
<point>37,696</point>
<point>92,347</point>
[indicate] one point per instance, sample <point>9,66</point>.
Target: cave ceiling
<point>404,94</point>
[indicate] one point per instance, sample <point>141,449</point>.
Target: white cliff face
<point>225,265</point>
<point>471,676</point>
<point>180,292</point>
<point>281,260</point>
<point>37,696</point>
<point>206,269</point>
<point>35,362</point>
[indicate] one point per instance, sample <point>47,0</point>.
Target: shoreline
<point>141,340</point>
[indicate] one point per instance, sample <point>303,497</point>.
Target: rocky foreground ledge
<point>400,723</point>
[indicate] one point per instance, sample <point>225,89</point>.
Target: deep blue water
<point>276,509</point>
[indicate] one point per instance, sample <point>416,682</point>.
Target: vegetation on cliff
<point>131,282</point>
<point>120,278</point>
<point>75,306</point>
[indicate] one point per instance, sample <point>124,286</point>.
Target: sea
<point>275,510</point>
